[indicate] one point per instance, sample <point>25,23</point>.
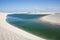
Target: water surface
<point>30,23</point>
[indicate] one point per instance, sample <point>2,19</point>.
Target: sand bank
<point>52,19</point>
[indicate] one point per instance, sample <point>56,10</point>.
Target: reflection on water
<point>31,24</point>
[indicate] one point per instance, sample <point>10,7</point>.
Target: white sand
<point>9,32</point>
<point>52,19</point>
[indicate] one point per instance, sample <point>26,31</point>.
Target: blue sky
<point>30,5</point>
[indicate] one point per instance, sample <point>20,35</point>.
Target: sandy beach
<point>9,32</point>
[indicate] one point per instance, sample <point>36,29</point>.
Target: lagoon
<point>30,23</point>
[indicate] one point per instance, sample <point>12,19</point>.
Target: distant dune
<point>52,19</point>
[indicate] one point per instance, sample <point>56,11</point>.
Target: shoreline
<point>16,33</point>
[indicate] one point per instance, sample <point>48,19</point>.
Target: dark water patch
<point>28,16</point>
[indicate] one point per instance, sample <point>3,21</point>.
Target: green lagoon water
<point>30,23</point>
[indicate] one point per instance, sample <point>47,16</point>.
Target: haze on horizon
<point>30,5</point>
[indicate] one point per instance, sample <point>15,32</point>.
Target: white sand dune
<point>9,32</point>
<point>52,19</point>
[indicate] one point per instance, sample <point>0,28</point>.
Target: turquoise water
<point>30,23</point>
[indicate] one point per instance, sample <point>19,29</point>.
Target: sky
<point>30,5</point>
